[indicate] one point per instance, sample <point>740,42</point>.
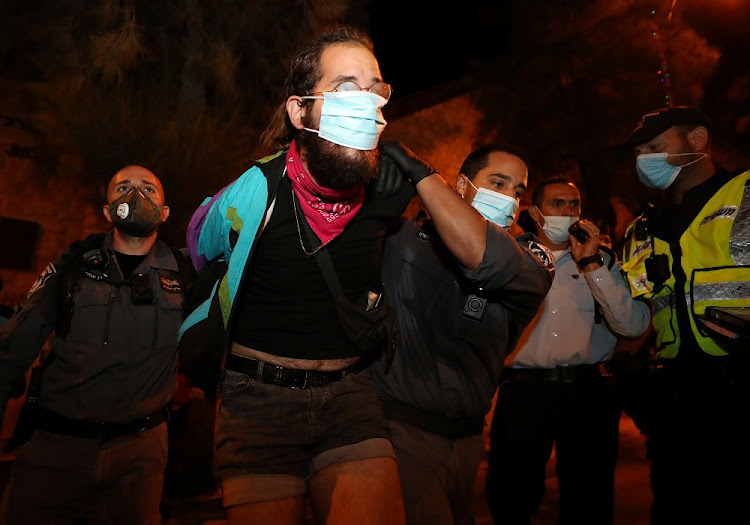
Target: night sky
<point>421,43</point>
<point>432,43</point>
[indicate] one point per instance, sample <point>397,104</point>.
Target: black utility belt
<point>561,374</point>
<point>283,376</point>
<point>101,430</point>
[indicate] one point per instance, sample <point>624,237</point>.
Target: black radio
<point>579,233</point>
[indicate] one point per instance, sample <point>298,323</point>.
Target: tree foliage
<point>575,79</point>
<point>183,87</point>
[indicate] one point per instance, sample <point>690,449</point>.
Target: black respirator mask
<point>134,214</point>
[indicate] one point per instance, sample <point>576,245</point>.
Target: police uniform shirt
<point>118,361</point>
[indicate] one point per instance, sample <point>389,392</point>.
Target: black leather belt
<point>562,374</point>
<point>282,376</point>
<point>101,430</point>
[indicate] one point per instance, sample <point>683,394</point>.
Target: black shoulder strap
<point>322,257</point>
<point>69,269</point>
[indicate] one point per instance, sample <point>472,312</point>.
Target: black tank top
<point>285,307</point>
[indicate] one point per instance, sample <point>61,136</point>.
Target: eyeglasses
<point>379,88</point>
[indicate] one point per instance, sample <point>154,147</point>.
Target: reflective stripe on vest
<point>721,291</point>
<point>713,292</point>
<point>739,240</point>
<point>660,303</point>
<point>716,260</point>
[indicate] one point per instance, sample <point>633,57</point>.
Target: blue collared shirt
<point>563,332</point>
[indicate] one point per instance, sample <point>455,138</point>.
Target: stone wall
<point>63,211</point>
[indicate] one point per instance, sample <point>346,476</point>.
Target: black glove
<point>397,162</point>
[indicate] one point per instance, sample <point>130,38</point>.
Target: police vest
<point>715,258</point>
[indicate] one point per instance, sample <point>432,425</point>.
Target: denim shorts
<point>270,439</point>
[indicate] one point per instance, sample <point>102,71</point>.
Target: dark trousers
<point>59,479</point>
<point>581,418</point>
<point>695,419</point>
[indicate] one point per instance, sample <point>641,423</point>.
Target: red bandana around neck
<point>327,211</point>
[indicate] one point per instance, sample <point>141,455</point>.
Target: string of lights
<point>663,72</point>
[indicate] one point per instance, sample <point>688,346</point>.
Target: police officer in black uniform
<point>463,289</point>
<point>99,445</point>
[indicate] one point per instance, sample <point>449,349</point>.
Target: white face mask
<point>556,227</point>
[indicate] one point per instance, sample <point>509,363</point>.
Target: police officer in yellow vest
<point>688,252</point>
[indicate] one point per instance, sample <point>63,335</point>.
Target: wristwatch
<point>583,262</point>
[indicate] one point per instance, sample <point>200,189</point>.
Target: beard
<point>336,167</point>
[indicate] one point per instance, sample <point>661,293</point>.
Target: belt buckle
<point>278,375</point>
<point>106,433</point>
<point>314,378</point>
<point>565,374</point>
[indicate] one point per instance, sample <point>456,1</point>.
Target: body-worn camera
<point>579,233</point>
<point>657,269</point>
<point>474,307</point>
<point>141,292</point>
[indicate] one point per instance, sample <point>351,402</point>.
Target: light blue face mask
<point>351,118</point>
<point>495,207</point>
<point>655,172</point>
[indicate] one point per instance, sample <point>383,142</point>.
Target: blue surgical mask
<point>351,118</point>
<point>655,172</point>
<point>495,207</point>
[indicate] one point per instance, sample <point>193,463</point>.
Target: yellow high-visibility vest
<point>716,260</point>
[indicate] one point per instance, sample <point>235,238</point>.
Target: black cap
<point>656,123</point>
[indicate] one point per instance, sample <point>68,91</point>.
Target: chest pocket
<point>580,297</point>
<point>103,313</point>
<point>91,304</point>
<point>444,291</point>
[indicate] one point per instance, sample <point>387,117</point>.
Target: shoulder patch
<point>543,254</point>
<point>169,282</point>
<point>45,276</point>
